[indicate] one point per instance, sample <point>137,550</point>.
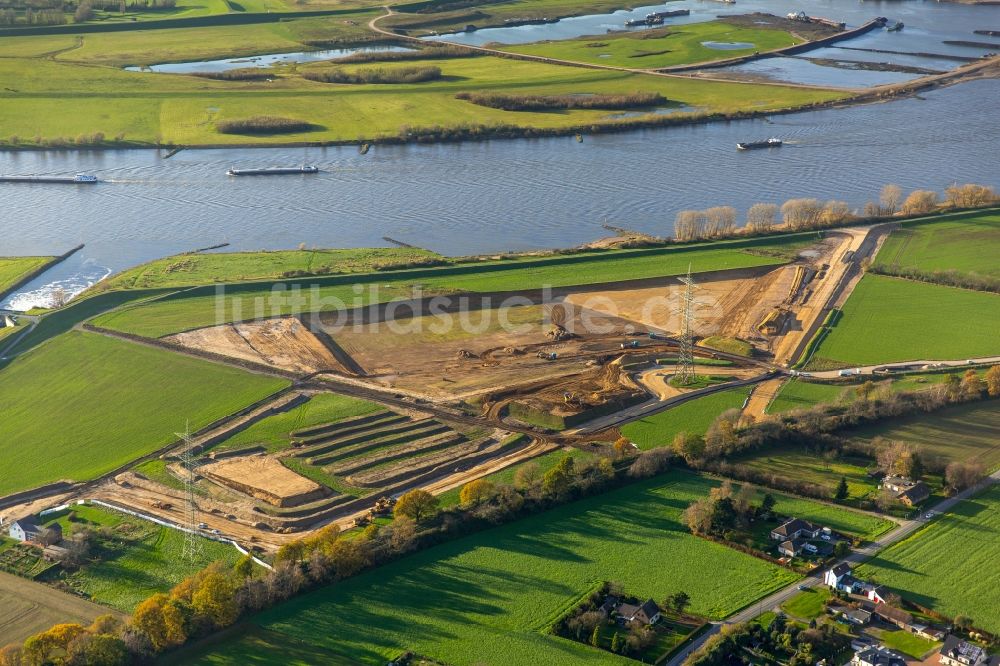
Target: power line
<point>685,358</point>
<point>193,545</point>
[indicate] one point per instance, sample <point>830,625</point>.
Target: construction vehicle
<point>630,344</point>
<point>161,505</point>
<point>383,506</point>
<point>548,356</point>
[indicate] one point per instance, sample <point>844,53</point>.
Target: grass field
<point>273,432</point>
<point>200,308</point>
<point>813,468</point>
<point>963,433</point>
<point>661,47</point>
<point>807,604</point>
<point>116,401</point>
<point>798,394</point>
<point>145,559</point>
<point>693,417</point>
<point>889,319</point>
<point>27,607</point>
<point>939,245</point>
<point>907,643</point>
<point>496,592</point>
<point>13,269</point>
<point>949,566</point>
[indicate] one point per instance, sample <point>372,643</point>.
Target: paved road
<point>904,365</point>
<point>905,529</point>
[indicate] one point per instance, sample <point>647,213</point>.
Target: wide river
<point>497,195</point>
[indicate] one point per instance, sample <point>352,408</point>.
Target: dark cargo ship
<point>272,171</point>
<point>752,145</point>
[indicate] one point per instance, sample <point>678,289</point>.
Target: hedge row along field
<point>116,402</point>
<point>950,566</point>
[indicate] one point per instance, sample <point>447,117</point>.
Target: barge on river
<point>753,145</point>
<point>272,171</point>
<point>78,179</point>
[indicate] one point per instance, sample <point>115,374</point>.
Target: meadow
<point>814,468</point>
<point>962,433</point>
<point>14,269</point>
<point>198,308</point>
<point>144,559</point>
<point>955,243</point>
<point>808,604</point>
<point>495,593</point>
<point>660,47</point>
<point>800,394</point>
<point>950,565</point>
<point>888,319</point>
<point>116,401</point>
<point>693,417</point>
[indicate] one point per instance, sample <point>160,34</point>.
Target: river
<point>490,196</point>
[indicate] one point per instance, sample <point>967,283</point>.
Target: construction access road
<point>889,369</point>
<point>905,529</point>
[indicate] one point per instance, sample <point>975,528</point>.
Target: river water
<point>490,196</point>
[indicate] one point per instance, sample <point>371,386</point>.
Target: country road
<point>905,529</point>
<point>903,365</point>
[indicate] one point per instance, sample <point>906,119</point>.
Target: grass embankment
<point>949,566</point>
<point>14,269</point>
<point>953,244</point>
<point>889,319</point>
<point>494,594</point>
<point>199,308</point>
<point>728,345</point>
<point>136,560</point>
<point>693,417</point>
<point>62,98</point>
<point>115,401</point>
<point>661,47</point>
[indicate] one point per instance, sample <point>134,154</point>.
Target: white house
<point>878,594</point>
<point>839,578</point>
<point>27,530</point>
<point>878,656</point>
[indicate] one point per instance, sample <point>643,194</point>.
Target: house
<point>839,578</point>
<point>791,548</point>
<point>878,656</point>
<point>906,491</point>
<point>55,553</point>
<point>895,616</point>
<point>609,606</point>
<point>878,594</point>
<point>647,613</point>
<point>956,652</point>
<point>795,529</point>
<point>896,484</point>
<point>858,616</point>
<point>28,530</point>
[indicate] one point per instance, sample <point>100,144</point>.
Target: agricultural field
<point>693,417</point>
<point>953,244</point>
<point>13,269</point>
<point>962,433</point>
<point>117,401</point>
<point>137,559</point>
<point>274,432</point>
<point>27,607</point>
<point>662,47</point>
<point>199,308</point>
<point>800,394</point>
<point>889,319</point>
<point>815,468</point>
<point>949,566</point>
<point>496,592</point>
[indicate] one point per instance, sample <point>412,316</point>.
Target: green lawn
<point>955,243</point>
<point>13,269</point>
<point>200,307</point>
<point>146,558</point>
<point>888,319</point>
<point>907,643</point>
<point>807,604</point>
<point>273,432</point>
<point>963,433</point>
<point>813,468</point>
<point>660,47</point>
<point>490,597</point>
<point>950,566</point>
<point>693,417</point>
<point>801,394</point>
<point>83,404</point>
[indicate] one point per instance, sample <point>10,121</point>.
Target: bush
<point>432,53</point>
<point>242,74</point>
<point>556,102</point>
<point>262,125</point>
<point>376,75</point>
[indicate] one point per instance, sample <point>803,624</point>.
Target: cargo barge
<point>752,145</point>
<point>78,179</point>
<point>272,171</point>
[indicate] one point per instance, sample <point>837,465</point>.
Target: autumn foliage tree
<point>475,492</point>
<point>417,504</point>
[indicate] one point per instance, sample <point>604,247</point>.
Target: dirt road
<point>762,396</point>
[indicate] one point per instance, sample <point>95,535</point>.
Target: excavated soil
<point>265,478</point>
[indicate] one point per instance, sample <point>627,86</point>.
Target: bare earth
<point>27,607</point>
<point>263,477</point>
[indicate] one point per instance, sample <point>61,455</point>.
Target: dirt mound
<point>265,478</point>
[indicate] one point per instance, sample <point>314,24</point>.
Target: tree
<point>890,197</point>
<point>720,221</point>
<point>963,622</point>
<point>723,515</point>
<point>526,476</point>
<point>689,225</point>
<point>841,549</point>
<point>767,505</point>
<point>403,535</point>
<point>761,216</point>
<point>38,649</point>
<point>836,212</point>
<point>293,551</point>
<point>920,202</point>
<point>214,600</point>
<point>993,381</point>
<point>160,621</point>
<point>558,480</point>
<point>595,636</point>
<point>615,643</point>
<point>96,650</point>
<point>962,475</point>
<point>842,490</point>
<point>244,567</point>
<point>84,12</point>
<point>679,601</point>
<point>416,504</point>
<point>688,446</point>
<point>698,516</point>
<point>972,385</point>
<point>477,491</point>
<point>864,391</point>
<point>801,213</point>
<point>969,195</point>
<point>622,447</point>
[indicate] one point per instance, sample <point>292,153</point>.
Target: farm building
<point>54,553</point>
<point>908,492</point>
<point>895,616</point>
<point>956,652</point>
<point>795,529</point>
<point>878,656</point>
<point>646,613</point>
<point>28,530</point>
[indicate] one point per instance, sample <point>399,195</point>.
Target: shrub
<point>376,75</point>
<point>262,125</point>
<point>242,74</point>
<point>557,102</point>
<point>432,53</point>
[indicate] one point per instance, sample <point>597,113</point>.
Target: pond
<point>259,61</point>
<point>727,46</point>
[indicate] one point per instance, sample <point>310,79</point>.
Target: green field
<point>955,243</point>
<point>814,468</point>
<point>490,597</point>
<point>801,394</point>
<point>949,566</point>
<point>660,47</point>
<point>273,432</point>
<point>200,308</point>
<point>963,433</point>
<point>889,319</point>
<point>13,269</point>
<point>907,643</point>
<point>692,417</point>
<point>145,558</point>
<point>115,401</point>
<point>807,604</point>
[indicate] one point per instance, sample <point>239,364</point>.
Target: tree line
<point>375,75</point>
<point>511,102</point>
<point>262,125</point>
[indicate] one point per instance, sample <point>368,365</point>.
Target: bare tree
<point>689,225</point>
<point>836,212</point>
<point>969,195</point>
<point>761,216</point>
<point>720,221</point>
<point>920,201</point>
<point>802,213</point>
<point>890,197</point>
